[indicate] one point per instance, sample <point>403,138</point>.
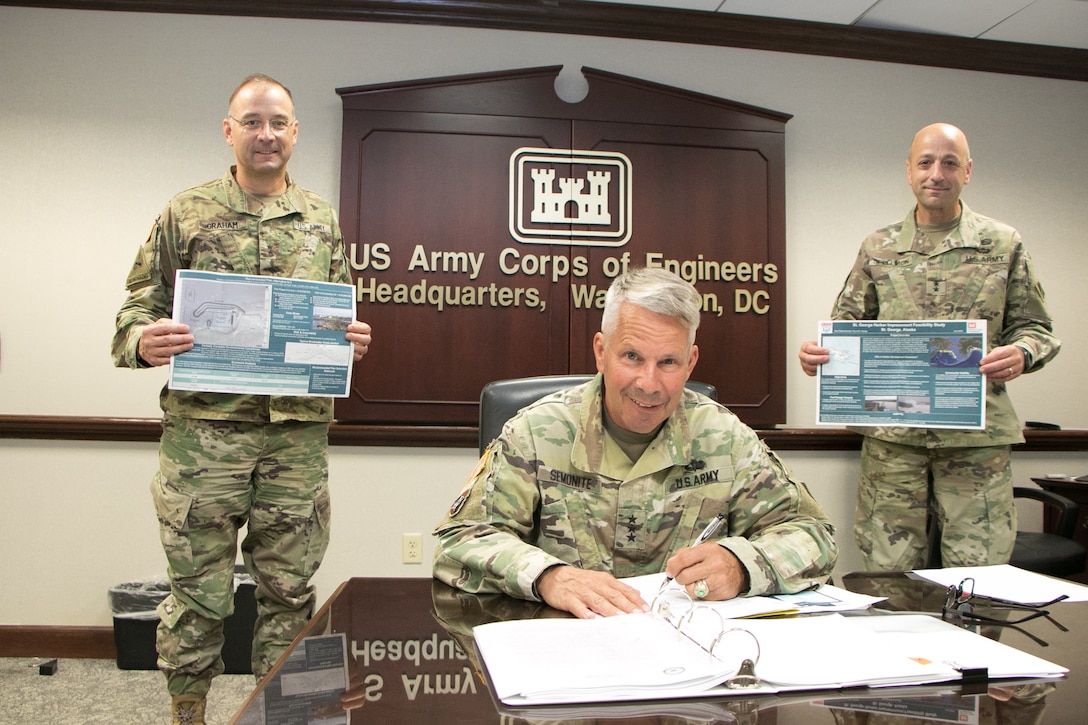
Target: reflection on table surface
<point>411,660</point>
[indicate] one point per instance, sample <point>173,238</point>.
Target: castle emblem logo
<point>565,196</point>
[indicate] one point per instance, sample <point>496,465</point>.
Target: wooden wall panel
<point>432,217</point>
<point>430,196</point>
<point>703,199</point>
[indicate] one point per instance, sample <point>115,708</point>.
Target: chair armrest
<point>1067,520</point>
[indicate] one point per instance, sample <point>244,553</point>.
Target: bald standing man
<point>944,262</point>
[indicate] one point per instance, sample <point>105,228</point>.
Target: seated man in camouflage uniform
<point>618,477</point>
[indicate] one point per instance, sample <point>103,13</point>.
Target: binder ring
<point>660,605</point>
<point>746,677</point>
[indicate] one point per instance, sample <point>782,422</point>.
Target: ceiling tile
<point>1047,22</point>
<point>841,12</point>
<point>968,18</point>
<point>675,4</point>
<point>1042,22</point>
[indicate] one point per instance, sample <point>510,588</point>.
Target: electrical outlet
<point>411,548</point>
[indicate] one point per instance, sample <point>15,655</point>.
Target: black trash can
<point>134,622</point>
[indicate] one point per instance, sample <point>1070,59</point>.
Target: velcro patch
<point>466,490</point>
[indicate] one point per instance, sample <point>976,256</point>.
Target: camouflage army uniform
<point>554,488</point>
<point>980,271</point>
<point>225,459</point>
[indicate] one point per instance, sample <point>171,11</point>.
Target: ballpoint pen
<point>705,536</point>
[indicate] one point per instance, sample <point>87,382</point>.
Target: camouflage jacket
<point>980,271</point>
<point>209,228</point>
<point>554,488</point>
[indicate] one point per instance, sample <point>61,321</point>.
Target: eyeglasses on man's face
<point>256,125</point>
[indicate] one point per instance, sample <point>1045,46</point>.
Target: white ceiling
<point>1041,22</point>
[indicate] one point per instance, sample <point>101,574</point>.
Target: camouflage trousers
<point>968,491</point>
<point>215,477</point>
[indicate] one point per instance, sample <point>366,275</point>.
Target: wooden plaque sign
<point>485,217</point>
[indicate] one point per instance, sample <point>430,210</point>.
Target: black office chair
<point>1055,554</point>
<point>501,399</point>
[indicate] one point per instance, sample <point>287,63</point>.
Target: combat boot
<point>187,710</point>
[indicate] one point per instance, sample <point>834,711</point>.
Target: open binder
<point>665,655</point>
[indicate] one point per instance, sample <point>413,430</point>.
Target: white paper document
<point>823,599</point>
<point>263,335</point>
<point>307,687</point>
<point>642,656</point>
<point>1005,581</point>
<point>913,373</point>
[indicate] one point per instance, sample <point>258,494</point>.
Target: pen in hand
<point>705,536</point>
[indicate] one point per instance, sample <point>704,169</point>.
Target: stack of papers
<point>643,656</point>
<point>823,599</point>
<point>1008,582</point>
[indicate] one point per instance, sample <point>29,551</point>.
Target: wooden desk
<point>408,638</point>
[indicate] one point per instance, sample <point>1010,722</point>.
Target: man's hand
<point>358,335</point>
<point>812,356</point>
<point>588,594</point>
<point>1003,363</point>
<point>722,571</point>
<point>161,340</point>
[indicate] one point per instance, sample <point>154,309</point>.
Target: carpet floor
<point>85,691</point>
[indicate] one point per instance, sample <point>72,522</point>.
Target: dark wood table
<point>411,660</point>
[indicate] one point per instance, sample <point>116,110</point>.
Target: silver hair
<point>656,290</point>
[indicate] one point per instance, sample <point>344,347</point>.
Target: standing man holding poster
<point>225,459</point>
<point>944,262</point>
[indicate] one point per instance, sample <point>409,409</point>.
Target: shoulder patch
<point>477,472</point>
<point>142,268</point>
